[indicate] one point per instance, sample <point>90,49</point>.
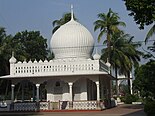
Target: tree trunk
<point>108,46</point>
<point>117,87</point>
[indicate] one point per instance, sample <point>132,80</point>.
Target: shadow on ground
<point>19,113</point>
<point>134,106</point>
<point>137,113</point>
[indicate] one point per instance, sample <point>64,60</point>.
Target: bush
<point>122,99</point>
<point>149,108</point>
<point>131,98</point>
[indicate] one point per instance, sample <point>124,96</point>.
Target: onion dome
<point>12,59</point>
<point>96,55</point>
<point>72,40</point>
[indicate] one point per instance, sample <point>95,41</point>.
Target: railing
<point>85,105</point>
<point>51,67</point>
<point>61,105</point>
<point>32,106</point>
<point>104,67</point>
<point>44,105</point>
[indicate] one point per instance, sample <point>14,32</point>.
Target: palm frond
<point>150,33</point>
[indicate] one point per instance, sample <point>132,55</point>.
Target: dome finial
<point>96,50</point>
<point>72,14</point>
<point>13,53</point>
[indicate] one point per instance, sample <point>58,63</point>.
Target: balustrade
<point>61,105</point>
<point>50,67</point>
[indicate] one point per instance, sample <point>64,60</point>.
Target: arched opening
<point>84,89</point>
<point>43,91</point>
<point>24,91</point>
<point>57,90</point>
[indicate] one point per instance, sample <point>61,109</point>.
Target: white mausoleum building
<point>74,79</point>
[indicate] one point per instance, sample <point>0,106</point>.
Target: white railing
<point>85,105</point>
<point>44,105</point>
<point>61,105</point>
<point>56,66</point>
<point>25,106</point>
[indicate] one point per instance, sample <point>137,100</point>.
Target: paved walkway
<point>122,110</point>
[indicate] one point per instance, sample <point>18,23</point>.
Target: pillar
<point>131,91</point>
<point>71,91</point>
<point>12,92</point>
<point>98,90</point>
<point>37,98</point>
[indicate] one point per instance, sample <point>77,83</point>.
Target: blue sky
<point>20,15</point>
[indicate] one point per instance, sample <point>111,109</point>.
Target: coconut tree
<point>132,58</point>
<point>150,33</point>
<point>123,55</point>
<point>108,24</point>
<point>65,18</point>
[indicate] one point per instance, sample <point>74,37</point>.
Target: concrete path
<point>122,110</point>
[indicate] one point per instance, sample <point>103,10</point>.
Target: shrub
<point>122,98</point>
<point>149,108</point>
<point>131,98</point>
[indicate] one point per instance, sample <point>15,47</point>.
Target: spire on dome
<point>96,50</point>
<point>72,13</point>
<point>13,53</point>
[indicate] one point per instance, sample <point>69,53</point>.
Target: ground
<point>121,110</point>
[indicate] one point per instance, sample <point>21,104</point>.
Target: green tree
<point>4,50</point>
<point>108,24</point>
<point>4,62</point>
<point>132,58</point>
<point>26,45</point>
<point>65,18</point>
<point>145,79</point>
<point>29,45</point>
<point>143,12</point>
<point>124,55</point>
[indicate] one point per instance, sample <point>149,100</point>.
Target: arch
<point>57,89</point>
<point>84,89</point>
<point>24,90</point>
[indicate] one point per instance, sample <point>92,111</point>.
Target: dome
<point>12,60</point>
<point>72,40</point>
<point>96,56</point>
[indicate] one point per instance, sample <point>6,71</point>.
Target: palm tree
<point>132,58</point>
<point>65,18</point>
<point>150,33</point>
<point>148,36</point>
<point>107,24</point>
<point>123,55</point>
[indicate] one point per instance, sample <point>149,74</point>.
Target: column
<point>37,85</point>
<point>71,91</point>
<point>131,91</point>
<point>98,90</point>
<point>12,92</point>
